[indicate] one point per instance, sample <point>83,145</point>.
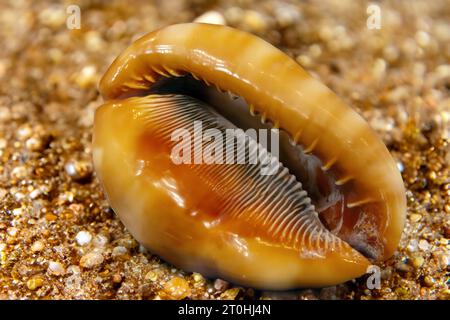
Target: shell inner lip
<point>303,165</point>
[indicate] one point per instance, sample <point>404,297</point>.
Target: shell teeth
<point>149,78</point>
<point>311,146</point>
<point>296,137</point>
<point>343,180</point>
<point>292,142</point>
<point>252,109</point>
<point>135,86</point>
<point>232,95</point>
<point>329,164</point>
<point>161,72</point>
<point>219,89</point>
<point>264,118</point>
<point>173,72</point>
<point>135,78</point>
<point>359,202</point>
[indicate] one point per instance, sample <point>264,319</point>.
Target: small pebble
<point>37,246</point>
<point>386,273</point>
<point>35,282</point>
<point>220,284</point>
<point>117,278</point>
<point>151,276</point>
<point>177,288</point>
<point>379,69</point>
<point>83,238</point>
<point>53,16</point>
<point>304,61</point>
<point>424,245</point>
<point>19,196</point>
<point>445,294</point>
<point>212,17</point>
<point>422,38</point>
<point>12,231</point>
<point>34,144</point>
<point>56,268</point>
<point>100,241</point>
<point>286,15</point>
<point>315,50</point>
<point>24,132</point>
<point>17,211</point>
<point>308,294</point>
<point>5,114</point>
<point>73,269</point>
<point>19,172</point>
<point>429,281</point>
<point>50,217</point>
<point>415,217</point>
<point>412,245</point>
<point>3,143</point>
<point>197,277</point>
<point>34,194</point>
<point>417,262</point>
<point>87,77</point>
<point>254,21</point>
<point>230,294</point>
<point>142,249</point>
<point>129,243</point>
<point>445,259</point>
<point>119,253</point>
<point>234,15</point>
<point>94,42</point>
<point>390,53</point>
<point>3,193</point>
<point>78,170</point>
<point>91,260</point>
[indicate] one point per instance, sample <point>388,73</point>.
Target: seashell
<point>334,205</point>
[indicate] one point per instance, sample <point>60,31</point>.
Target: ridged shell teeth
<point>148,77</point>
<point>219,89</point>
<point>173,72</point>
<point>329,164</point>
<point>135,86</point>
<point>297,136</point>
<point>263,118</point>
<point>160,71</point>
<point>344,180</point>
<point>311,147</point>
<point>359,202</point>
<point>252,109</point>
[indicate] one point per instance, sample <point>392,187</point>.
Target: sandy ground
<point>58,237</point>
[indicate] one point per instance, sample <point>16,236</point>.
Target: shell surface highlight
<point>299,227</point>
